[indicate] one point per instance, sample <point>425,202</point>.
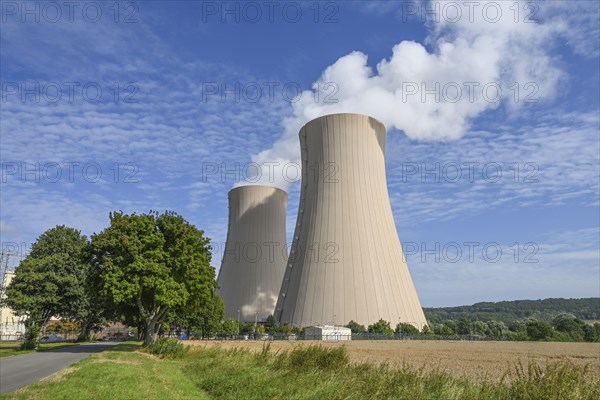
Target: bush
<point>406,329</point>
<point>168,347</point>
<point>381,327</point>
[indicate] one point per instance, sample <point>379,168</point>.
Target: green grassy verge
<point>304,373</point>
<point>8,349</point>
<point>117,373</point>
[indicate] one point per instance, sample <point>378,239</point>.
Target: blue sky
<point>161,121</point>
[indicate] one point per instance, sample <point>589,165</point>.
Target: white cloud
<point>464,62</point>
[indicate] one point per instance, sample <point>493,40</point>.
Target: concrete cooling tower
<point>255,253</point>
<point>346,261</point>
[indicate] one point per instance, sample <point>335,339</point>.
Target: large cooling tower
<point>346,261</point>
<point>255,254</point>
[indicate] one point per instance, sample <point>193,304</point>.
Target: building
<point>255,252</point>
<point>12,327</point>
<point>346,262</point>
<point>327,332</point>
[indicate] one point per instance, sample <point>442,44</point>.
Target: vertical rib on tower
<point>255,253</point>
<point>346,261</point>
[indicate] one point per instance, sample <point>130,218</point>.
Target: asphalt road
<point>18,371</point>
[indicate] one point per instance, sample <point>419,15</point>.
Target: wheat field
<point>480,360</point>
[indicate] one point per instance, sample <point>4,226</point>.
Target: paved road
<point>18,371</point>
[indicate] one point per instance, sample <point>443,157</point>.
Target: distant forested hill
<point>509,311</point>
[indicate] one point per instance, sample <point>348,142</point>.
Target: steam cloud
<point>432,91</point>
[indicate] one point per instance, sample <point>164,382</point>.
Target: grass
<point>307,372</point>
<point>121,372</point>
<point>8,349</point>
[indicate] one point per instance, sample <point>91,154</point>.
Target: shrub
<point>406,329</point>
<point>381,327</point>
<point>168,347</point>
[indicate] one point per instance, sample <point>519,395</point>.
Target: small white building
<point>327,332</point>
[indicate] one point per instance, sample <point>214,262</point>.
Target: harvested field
<point>475,359</point>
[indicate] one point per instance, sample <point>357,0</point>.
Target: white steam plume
<point>467,62</point>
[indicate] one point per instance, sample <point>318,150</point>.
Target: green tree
<point>260,331</point>
<point>49,281</point>
<point>355,327</point>
<point>571,325</point>
<point>518,326</point>
<point>381,327</point>
<point>204,322</point>
<point>271,325</point>
<point>151,264</point>
<point>450,327</point>
<point>539,330</point>
<point>63,326</point>
<point>480,328</point>
<point>247,328</point>
<point>497,328</point>
<point>286,329</point>
<point>463,327</point>
<point>426,330</point>
<point>592,332</point>
<point>404,328</point>
<point>230,327</point>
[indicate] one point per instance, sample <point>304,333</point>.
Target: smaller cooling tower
<point>255,254</point>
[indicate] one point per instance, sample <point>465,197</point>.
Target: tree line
<point>511,311</point>
<point>152,272</point>
<point>562,328</point>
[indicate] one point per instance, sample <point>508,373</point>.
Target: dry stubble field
<point>480,360</point>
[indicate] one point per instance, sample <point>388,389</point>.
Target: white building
<point>12,327</point>
<point>327,332</point>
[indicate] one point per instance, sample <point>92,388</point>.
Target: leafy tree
<point>518,326</point>
<point>260,331</point>
<point>426,330</point>
<point>480,328</point>
<point>406,329</point>
<point>230,327</point>
<point>592,332</point>
<point>571,325</point>
<point>210,316</point>
<point>463,327</point>
<point>247,328</point>
<point>538,330</point>
<point>286,329</point>
<point>151,264</point>
<point>355,327</point>
<point>48,282</point>
<point>271,325</point>
<point>204,321</point>
<point>496,328</point>
<point>93,311</point>
<point>450,327</point>
<point>63,326</point>
<point>381,327</point>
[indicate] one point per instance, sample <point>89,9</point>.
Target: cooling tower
<point>346,261</point>
<point>255,253</point>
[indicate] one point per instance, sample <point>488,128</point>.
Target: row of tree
<point>149,271</point>
<point>564,328</point>
<point>152,272</point>
<point>514,310</point>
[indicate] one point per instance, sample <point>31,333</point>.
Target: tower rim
<point>364,116</point>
